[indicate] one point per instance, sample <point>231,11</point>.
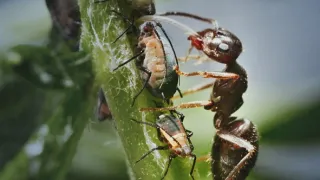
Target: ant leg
<point>206,158</point>
<point>169,163</point>
<point>242,143</point>
<point>218,75</point>
<point>189,15</point>
<point>195,89</point>
<point>200,58</point>
<point>193,164</point>
<point>144,85</point>
<point>193,104</point>
<point>153,149</point>
<point>188,54</point>
<point>127,61</point>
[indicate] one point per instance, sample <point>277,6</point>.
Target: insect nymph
<point>155,58</point>
<point>171,131</point>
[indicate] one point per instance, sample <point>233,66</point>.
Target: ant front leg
<point>218,75</point>
<point>238,141</point>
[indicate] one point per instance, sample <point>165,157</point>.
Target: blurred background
<point>281,54</point>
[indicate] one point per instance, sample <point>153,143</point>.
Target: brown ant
<point>172,132</point>
<point>235,147</point>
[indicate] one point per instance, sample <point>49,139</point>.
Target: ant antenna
<point>188,30</point>
<point>193,16</point>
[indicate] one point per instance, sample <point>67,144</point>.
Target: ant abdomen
<point>226,154</point>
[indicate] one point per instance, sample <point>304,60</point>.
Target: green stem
<point>100,27</point>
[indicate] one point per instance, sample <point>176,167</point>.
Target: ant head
<point>221,45</point>
<point>196,42</point>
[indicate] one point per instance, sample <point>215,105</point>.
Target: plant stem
<point>101,27</point>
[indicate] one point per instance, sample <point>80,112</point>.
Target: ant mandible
<point>235,147</point>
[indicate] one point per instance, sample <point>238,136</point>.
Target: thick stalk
<point>99,29</point>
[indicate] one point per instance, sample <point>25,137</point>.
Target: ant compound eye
<point>223,47</point>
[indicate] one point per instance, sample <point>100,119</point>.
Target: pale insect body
<point>157,60</point>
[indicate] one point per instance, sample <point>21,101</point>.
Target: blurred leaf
<point>294,126</point>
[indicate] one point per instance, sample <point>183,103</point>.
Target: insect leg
<point>206,158</point>
<point>189,133</point>
<point>195,89</point>
<point>127,61</point>
<point>241,143</point>
<point>193,104</point>
<point>144,85</point>
<point>169,163</point>
<point>218,75</point>
<point>193,164</point>
<point>180,94</point>
<point>146,123</point>
<point>181,116</point>
<point>131,22</point>
<point>153,149</point>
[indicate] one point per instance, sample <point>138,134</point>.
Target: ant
<point>155,59</point>
<point>102,111</point>
<point>235,147</point>
<point>172,132</point>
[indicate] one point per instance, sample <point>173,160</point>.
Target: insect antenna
<point>184,27</point>
<point>193,16</point>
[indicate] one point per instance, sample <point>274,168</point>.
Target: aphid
<point>102,111</point>
<point>155,58</point>
<point>65,16</point>
<point>172,132</point>
<point>235,148</point>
